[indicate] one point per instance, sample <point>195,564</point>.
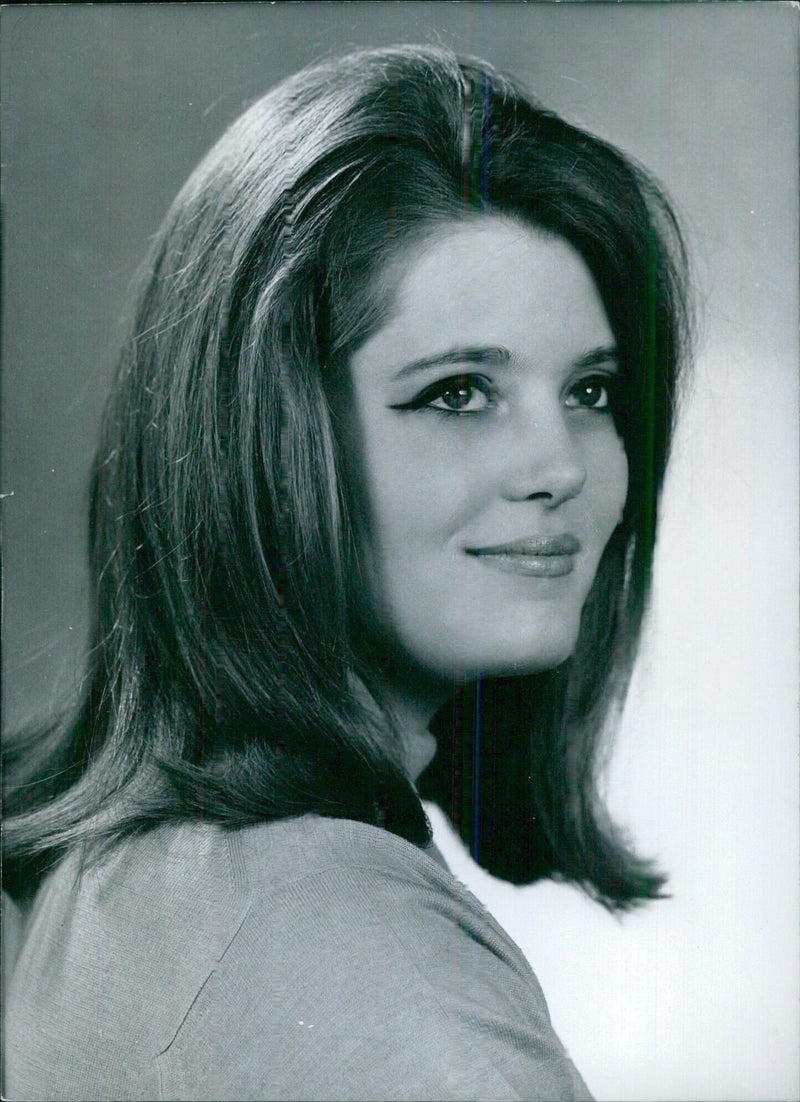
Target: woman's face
<point>492,470</point>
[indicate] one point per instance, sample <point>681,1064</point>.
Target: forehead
<point>487,280</point>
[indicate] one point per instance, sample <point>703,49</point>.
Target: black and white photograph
<point>400,551</point>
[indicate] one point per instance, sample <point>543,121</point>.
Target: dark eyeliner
<point>440,387</point>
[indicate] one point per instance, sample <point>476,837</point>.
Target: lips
<point>532,545</point>
<point>533,556</point>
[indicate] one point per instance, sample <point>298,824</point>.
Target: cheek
<point>419,494</point>
<point>618,481</point>
<point>609,488</point>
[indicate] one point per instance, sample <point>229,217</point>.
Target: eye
<point>465,394</point>
<point>592,392</point>
<point>459,395</point>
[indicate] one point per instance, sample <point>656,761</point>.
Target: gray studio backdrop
<point>106,110</point>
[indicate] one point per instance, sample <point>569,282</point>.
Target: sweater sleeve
<point>369,982</point>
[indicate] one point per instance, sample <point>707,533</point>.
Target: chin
<point>532,651</point>
<point>523,659</point>
<point>511,643</point>
<point>524,665</point>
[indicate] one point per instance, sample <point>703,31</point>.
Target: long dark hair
<point>230,629</point>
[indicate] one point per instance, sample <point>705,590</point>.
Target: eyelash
<point>454,383</point>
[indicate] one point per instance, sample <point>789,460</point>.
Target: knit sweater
<point>305,959</point>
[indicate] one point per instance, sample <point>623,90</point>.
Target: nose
<point>542,461</point>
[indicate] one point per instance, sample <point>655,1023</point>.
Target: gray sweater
<point>305,959</point>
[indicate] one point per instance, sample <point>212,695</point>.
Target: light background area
<point>108,108</point>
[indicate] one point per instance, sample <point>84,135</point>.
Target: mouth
<point>533,557</point>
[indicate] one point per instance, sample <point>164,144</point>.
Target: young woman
<point>373,515</point>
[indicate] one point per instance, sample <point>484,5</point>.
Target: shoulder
<point>112,956</point>
<point>309,958</point>
<point>365,970</point>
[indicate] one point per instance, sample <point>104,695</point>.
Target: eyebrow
<point>496,356</point>
<point>599,356</point>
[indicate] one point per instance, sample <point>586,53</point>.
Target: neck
<point>410,712</point>
<point>411,703</point>
<point>412,719</point>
